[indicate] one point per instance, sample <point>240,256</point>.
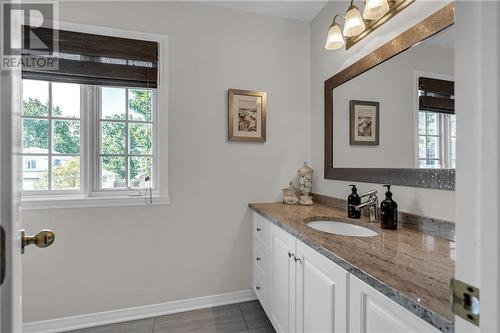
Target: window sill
<point>79,201</point>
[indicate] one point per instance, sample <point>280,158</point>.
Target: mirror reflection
<point>399,114</point>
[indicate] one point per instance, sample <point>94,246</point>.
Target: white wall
<point>324,64</point>
<point>393,85</point>
<point>112,258</point>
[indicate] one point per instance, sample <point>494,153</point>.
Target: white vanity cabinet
<point>372,312</point>
<point>303,291</point>
<point>307,292</point>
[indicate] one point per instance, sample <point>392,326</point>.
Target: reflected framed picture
<point>364,123</point>
<point>247,111</point>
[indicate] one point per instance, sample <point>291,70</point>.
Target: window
<point>123,122</point>
<point>51,132</point>
<point>91,126</point>
<point>126,137</point>
<point>436,134</point>
<point>436,140</point>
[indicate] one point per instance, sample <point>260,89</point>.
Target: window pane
<point>422,164</point>
<point>65,173</point>
<point>65,100</point>
<point>421,123</point>
<point>113,137</point>
<point>433,147</point>
<point>140,167</point>
<point>433,164</point>
<point>453,125</point>
<point>35,173</point>
<point>113,172</point>
<point>35,136</point>
<point>432,123</point>
<point>35,98</point>
<point>66,136</point>
<point>140,104</point>
<point>140,138</point>
<point>453,152</point>
<point>113,103</point>
<point>422,147</point>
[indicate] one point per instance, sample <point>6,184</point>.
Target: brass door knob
<point>42,239</point>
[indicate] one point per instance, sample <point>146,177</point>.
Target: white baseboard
<point>139,312</point>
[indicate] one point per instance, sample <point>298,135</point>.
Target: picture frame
<point>364,123</point>
<point>247,114</point>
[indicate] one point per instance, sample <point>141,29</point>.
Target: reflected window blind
<point>436,95</point>
<point>94,59</point>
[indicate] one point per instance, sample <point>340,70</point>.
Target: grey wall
<point>324,64</point>
<point>112,258</point>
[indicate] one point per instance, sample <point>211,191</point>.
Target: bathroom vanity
<point>309,280</point>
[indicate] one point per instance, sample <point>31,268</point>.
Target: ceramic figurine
<point>305,185</point>
<point>290,196</point>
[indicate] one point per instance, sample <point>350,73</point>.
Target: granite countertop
<point>407,266</point>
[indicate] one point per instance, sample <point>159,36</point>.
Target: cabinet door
<point>321,293</point>
<point>372,312</point>
<point>282,280</point>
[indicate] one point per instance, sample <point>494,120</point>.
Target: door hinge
<point>465,301</point>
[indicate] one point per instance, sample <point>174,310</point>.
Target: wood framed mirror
<point>428,151</point>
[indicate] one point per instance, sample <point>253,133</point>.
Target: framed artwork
<point>364,122</point>
<point>247,115</point>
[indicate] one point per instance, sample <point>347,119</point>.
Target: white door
<point>282,280</point>
<point>477,74</point>
<point>10,288</point>
<point>321,293</point>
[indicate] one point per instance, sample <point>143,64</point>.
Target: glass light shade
<point>354,24</point>
<point>334,40</point>
<point>375,9</point>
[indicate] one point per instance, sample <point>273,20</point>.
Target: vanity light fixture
<point>357,26</point>
<point>334,40</point>
<point>375,9</point>
<point>354,24</point>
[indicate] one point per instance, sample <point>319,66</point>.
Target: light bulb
<point>334,39</point>
<point>375,9</point>
<point>354,24</point>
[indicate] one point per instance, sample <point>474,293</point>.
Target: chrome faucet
<point>371,203</point>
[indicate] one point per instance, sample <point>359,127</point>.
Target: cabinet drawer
<point>259,286</point>
<point>259,257</point>
<point>260,229</point>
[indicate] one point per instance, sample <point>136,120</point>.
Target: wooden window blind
<point>436,95</point>
<point>94,59</point>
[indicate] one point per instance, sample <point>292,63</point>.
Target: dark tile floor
<point>234,318</point>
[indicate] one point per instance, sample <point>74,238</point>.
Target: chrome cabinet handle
<point>259,229</point>
<point>289,254</point>
<point>297,259</point>
<point>258,288</point>
<point>257,258</point>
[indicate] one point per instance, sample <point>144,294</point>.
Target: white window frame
<point>444,131</point>
<point>89,194</point>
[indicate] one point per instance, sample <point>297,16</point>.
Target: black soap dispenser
<point>352,201</point>
<point>389,211</point>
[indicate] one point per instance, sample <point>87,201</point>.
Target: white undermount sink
<point>342,228</point>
